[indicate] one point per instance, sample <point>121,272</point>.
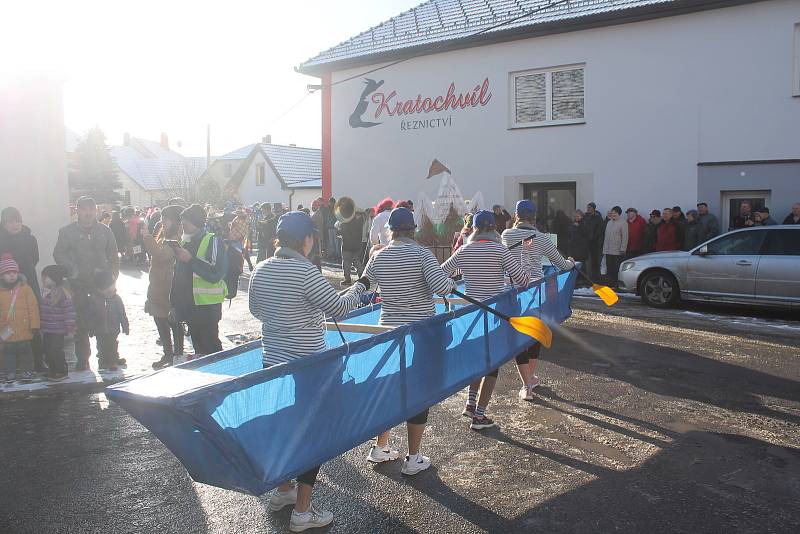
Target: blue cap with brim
<point>401,219</point>
<point>295,225</point>
<point>525,207</point>
<point>483,219</point>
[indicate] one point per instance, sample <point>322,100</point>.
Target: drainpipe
<point>291,194</point>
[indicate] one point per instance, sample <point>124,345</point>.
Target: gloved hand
<point>365,281</point>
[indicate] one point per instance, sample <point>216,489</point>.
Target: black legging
<point>529,354</point>
<point>168,332</point>
<point>309,477</point>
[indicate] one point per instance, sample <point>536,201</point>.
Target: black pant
<point>612,268</point>
<point>205,338</point>
<point>309,477</point>
<point>54,352</point>
<point>107,348</point>
<point>82,306</point>
<point>529,354</point>
<point>171,335</point>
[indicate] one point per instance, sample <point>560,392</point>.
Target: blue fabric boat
<point>237,426</point>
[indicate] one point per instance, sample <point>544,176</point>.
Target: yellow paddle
<point>530,326</point>
<point>604,292</point>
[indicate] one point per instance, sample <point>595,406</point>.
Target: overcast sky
<point>148,66</point>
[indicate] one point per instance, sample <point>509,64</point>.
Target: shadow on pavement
<point>675,373</point>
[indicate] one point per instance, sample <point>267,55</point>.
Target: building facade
<point>630,103</point>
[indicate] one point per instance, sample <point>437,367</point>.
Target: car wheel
<point>659,289</point>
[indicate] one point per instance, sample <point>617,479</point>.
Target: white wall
<point>33,169</point>
<point>271,191</point>
<point>139,196</point>
<point>661,96</point>
<point>305,196</point>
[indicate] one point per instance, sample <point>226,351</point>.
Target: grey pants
<point>17,355</point>
<point>351,258</point>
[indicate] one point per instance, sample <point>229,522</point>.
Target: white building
<point>33,162</point>
<point>644,103</point>
<point>266,172</point>
<point>151,173</point>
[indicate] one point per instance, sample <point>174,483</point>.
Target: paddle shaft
<point>515,245</point>
<point>482,305</point>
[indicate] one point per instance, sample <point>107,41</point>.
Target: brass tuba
<point>344,209</point>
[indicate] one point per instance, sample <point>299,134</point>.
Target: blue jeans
<point>17,355</point>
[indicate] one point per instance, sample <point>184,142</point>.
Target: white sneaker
<point>412,467</point>
<point>534,382</point>
<point>314,518</point>
<point>280,499</point>
<point>377,455</point>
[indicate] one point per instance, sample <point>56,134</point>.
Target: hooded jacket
<point>25,249</point>
<point>25,316</point>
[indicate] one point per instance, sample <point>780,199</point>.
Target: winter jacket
<point>352,232</point>
<point>24,318</point>
<point>578,241</point>
<point>212,268</point>
<point>117,228</point>
<point>86,253</point>
<point>107,315</point>
<point>769,221</point>
<point>501,221</point>
<point>791,220</point>
<point>616,237</point>
<point>594,223</point>
<point>560,227</point>
<point>57,312</point>
<point>25,249</point>
<point>636,235</point>
<point>651,236</point>
<point>708,227</point>
<point>691,235</point>
<point>669,236</point>
<point>162,268</point>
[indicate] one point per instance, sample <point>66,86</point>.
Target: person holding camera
<point>161,249</point>
<point>198,286</point>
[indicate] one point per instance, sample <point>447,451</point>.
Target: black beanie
<point>195,214</point>
<point>56,273</point>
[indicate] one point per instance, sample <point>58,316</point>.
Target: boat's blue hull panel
<point>240,427</point>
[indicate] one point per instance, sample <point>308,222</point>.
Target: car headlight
<point>628,265</point>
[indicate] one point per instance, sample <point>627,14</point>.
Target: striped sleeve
<point>321,294</point>
<point>552,253</point>
<point>434,275</point>
<point>519,274</point>
<point>450,265</point>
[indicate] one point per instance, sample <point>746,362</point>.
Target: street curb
<point>60,389</point>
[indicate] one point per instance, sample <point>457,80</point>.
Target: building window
<point>796,91</point>
<point>260,174</point>
<point>547,97</point>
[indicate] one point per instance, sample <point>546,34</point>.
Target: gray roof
<point>296,167</point>
<point>453,23</point>
<point>154,167</point>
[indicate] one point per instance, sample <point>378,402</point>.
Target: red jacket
<point>636,233</point>
<point>668,237</point>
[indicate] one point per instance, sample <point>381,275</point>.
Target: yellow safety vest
<point>205,292</point>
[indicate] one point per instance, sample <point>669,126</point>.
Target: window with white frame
<point>547,97</point>
<point>260,174</point>
<point>796,91</point>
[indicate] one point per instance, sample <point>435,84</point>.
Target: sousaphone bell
<point>344,209</point>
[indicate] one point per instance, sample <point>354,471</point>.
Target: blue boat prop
<point>237,426</point>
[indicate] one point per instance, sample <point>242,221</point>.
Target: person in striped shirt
<point>291,298</point>
<point>408,275</point>
<point>524,228</point>
<point>483,262</point>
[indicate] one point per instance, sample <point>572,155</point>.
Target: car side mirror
<point>702,251</point>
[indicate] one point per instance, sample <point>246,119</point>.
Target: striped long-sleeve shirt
<point>291,298</point>
<point>408,275</point>
<point>483,264</point>
<point>542,246</point>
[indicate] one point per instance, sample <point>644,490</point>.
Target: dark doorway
<point>550,198</point>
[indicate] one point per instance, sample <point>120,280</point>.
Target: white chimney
<point>164,141</point>
<point>267,139</point>
<point>126,139</point>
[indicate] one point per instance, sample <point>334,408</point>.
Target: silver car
<point>758,265</point>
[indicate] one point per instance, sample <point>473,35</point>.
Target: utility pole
<point>208,146</point>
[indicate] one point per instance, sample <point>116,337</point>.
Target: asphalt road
<point>679,421</point>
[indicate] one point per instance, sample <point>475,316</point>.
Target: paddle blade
<point>531,326</point>
<point>605,293</point>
